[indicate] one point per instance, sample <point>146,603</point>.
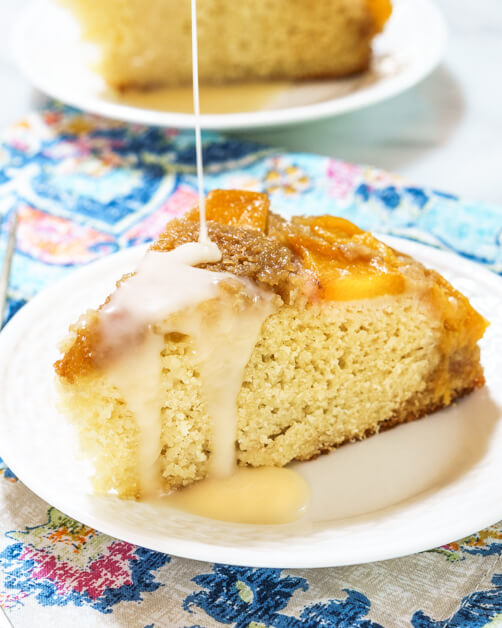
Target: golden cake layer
<point>144,45</point>
<point>364,338</point>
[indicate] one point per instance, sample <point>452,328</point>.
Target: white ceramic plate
<point>409,489</point>
<point>48,49</point>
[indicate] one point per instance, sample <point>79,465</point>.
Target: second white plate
<point>413,488</point>
<point>49,50</point>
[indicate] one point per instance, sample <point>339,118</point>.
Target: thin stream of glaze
<point>203,237</point>
<point>166,283</point>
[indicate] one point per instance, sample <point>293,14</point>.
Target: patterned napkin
<point>86,187</point>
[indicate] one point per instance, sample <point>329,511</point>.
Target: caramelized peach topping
<point>236,208</point>
<point>346,262</point>
<point>381,11</point>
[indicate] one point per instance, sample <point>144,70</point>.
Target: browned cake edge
<point>361,66</point>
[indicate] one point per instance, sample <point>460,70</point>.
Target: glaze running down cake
<point>275,341</point>
<point>144,45</point>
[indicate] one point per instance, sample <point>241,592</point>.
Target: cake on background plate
<point>144,45</point>
<point>345,337</point>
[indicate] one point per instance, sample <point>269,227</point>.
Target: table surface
<point>432,134</point>
<point>437,134</point>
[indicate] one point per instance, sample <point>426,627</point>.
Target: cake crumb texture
<point>318,377</point>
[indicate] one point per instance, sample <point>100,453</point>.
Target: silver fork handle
<point>7,263</point>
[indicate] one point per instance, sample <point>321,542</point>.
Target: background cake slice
<point>144,45</point>
<point>361,338</point>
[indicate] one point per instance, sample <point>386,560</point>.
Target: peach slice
<point>381,11</point>
<point>343,243</point>
<point>333,225</point>
<point>347,262</point>
<point>361,285</point>
<point>353,281</point>
<point>239,208</point>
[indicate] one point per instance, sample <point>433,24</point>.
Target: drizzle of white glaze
<point>224,346</point>
<point>166,283</point>
<point>137,376</point>
<point>203,237</point>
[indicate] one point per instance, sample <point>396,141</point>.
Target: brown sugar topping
<point>246,253</point>
<point>80,356</point>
